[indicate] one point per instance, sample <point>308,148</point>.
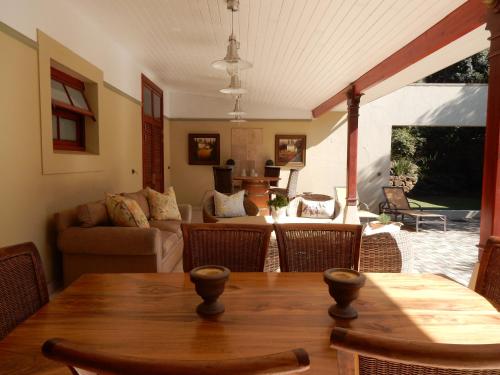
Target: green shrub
<point>278,202</point>
<point>404,167</point>
<point>405,142</point>
<point>384,219</point>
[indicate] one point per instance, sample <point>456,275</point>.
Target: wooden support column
<point>351,210</point>
<point>490,205</point>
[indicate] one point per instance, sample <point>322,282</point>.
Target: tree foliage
<point>449,159</point>
<point>473,69</point>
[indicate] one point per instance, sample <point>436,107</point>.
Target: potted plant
<point>383,224</point>
<point>278,206</point>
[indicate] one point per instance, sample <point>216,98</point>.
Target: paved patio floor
<point>452,253</point>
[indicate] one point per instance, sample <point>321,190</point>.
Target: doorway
<point>152,135</point>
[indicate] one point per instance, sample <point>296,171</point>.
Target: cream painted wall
<point>29,199</point>
<point>325,158</point>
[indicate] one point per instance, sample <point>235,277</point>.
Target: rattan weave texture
<point>22,285</point>
<point>239,247</point>
<point>488,281</point>
<point>372,366</point>
<point>317,247</point>
<point>386,252</point>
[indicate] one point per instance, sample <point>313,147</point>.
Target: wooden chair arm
<point>417,353</point>
<point>85,358</point>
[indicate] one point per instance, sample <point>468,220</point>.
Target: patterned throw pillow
<point>163,206</point>
<point>229,205</point>
<point>125,212</point>
<point>318,209</point>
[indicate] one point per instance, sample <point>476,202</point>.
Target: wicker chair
<point>317,247</point>
<point>291,188</point>
<point>208,208</point>
<point>23,289</point>
<point>272,171</point>
<point>382,355</point>
<point>78,356</point>
<point>223,179</point>
<point>239,247</point>
<point>386,252</point>
<point>488,279</point>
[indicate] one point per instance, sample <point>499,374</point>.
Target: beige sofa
<point>90,244</point>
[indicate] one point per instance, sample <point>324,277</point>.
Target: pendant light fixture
<point>232,63</point>
<point>234,87</point>
<point>237,111</point>
<point>238,118</point>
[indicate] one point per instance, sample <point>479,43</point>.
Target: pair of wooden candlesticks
<point>343,285</point>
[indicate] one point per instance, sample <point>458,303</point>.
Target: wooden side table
<point>257,188</point>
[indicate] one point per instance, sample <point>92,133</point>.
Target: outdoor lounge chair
<point>396,203</point>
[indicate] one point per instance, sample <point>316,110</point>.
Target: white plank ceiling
<point>303,51</point>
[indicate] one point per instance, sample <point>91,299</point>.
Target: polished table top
<point>153,315</point>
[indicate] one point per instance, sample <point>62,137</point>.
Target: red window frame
<point>62,144</point>
<point>70,112</point>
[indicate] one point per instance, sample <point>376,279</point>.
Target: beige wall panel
<point>326,153</point>
<point>28,199</point>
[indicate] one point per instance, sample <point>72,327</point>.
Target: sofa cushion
<point>171,226</point>
<point>93,214</point>
<point>163,206</point>
<point>294,206</point>
<point>229,206</point>
<point>141,198</point>
<point>125,212</point>
<point>318,209</point>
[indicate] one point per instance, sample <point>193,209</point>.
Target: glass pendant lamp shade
<point>232,63</point>
<point>237,111</point>
<point>234,87</point>
<point>238,118</point>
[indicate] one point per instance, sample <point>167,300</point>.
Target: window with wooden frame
<point>69,109</point>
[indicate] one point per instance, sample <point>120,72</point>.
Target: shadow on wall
<point>468,108</point>
<point>371,179</point>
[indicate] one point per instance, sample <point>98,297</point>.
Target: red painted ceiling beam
<point>466,18</point>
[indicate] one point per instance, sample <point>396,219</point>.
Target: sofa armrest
<point>186,212</point>
<point>110,241</point>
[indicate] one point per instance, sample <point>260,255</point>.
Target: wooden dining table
<point>153,316</point>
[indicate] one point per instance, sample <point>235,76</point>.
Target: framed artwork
<point>290,150</point>
<point>204,149</point>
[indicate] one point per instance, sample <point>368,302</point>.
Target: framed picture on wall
<point>290,150</point>
<point>204,149</point>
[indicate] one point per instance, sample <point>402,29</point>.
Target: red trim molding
<point>353,98</point>
<point>466,18</point>
<point>490,204</point>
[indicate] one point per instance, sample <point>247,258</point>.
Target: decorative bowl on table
<point>343,285</point>
<point>209,283</point>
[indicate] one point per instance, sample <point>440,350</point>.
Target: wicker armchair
<point>78,356</point>
<point>23,289</point>
<point>488,279</point>
<point>317,247</point>
<point>389,356</point>
<point>239,247</point>
<point>208,208</point>
<point>386,252</point>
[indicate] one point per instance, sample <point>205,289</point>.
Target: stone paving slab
<point>452,253</point>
